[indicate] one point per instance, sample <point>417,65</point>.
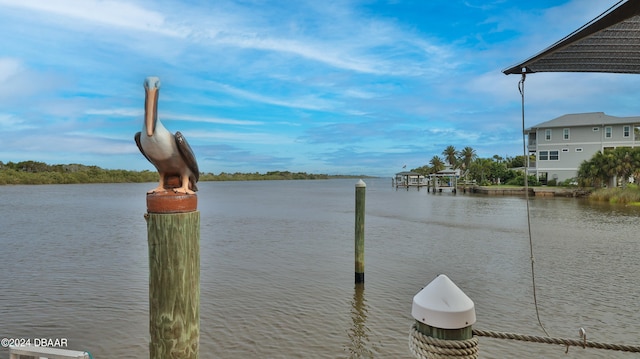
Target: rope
<point>425,347</point>
<point>560,341</point>
<point>526,195</point>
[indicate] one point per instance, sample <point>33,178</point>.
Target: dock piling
<point>444,316</point>
<point>361,189</point>
<point>173,226</point>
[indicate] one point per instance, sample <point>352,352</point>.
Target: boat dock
<point>446,181</point>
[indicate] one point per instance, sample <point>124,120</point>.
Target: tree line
<point>483,171</point>
<point>34,172</point>
<point>620,164</point>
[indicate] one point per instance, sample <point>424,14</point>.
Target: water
<point>277,268</point>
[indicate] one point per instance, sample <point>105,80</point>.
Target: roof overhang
<point>609,43</point>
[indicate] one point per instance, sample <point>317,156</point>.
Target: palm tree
<point>597,170</point>
<point>624,164</point>
<point>481,169</point>
<point>436,164</point>
<point>451,155</point>
<point>636,164</point>
<point>468,154</point>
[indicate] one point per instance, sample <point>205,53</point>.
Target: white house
<point>562,144</point>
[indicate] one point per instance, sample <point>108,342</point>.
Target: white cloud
<point>239,137</point>
<point>10,123</point>
<point>112,13</point>
<point>118,112</point>
<point>309,102</point>
<point>138,113</point>
<point>17,82</point>
<point>206,119</point>
<point>9,67</point>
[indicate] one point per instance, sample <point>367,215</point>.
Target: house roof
<point>585,119</point>
<point>608,43</point>
<point>408,173</point>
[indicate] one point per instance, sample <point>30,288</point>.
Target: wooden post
<point>361,189</point>
<point>173,225</point>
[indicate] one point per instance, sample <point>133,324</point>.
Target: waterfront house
<point>562,144</point>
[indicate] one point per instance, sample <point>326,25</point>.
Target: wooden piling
<point>173,226</point>
<point>361,189</point>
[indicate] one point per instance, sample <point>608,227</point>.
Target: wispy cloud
<point>119,14</point>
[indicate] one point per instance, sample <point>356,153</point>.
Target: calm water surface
<point>277,268</point>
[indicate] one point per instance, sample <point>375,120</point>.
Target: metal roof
<point>608,43</point>
<point>585,119</point>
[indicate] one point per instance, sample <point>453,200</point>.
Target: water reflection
<point>359,344</point>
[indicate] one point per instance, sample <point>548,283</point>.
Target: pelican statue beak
<point>151,88</point>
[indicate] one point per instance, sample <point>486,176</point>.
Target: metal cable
<point>526,195</point>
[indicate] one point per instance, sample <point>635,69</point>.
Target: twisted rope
<point>560,341</point>
<point>423,346</point>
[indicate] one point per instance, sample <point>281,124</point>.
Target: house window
<point>578,149</point>
<point>565,133</point>
<point>553,155</point>
<point>608,132</point>
<point>626,131</point>
<point>547,134</point>
<point>543,155</point>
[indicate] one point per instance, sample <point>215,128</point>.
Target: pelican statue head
<point>152,89</point>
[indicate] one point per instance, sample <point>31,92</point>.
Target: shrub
<point>519,181</point>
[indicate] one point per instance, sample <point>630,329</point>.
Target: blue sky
<point>338,87</point>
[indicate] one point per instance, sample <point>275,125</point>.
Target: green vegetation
<point>32,172</point>
<point>483,171</point>
<point>628,195</point>
<point>613,168</point>
<point>621,163</point>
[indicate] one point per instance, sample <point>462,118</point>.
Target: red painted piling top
<point>171,202</point>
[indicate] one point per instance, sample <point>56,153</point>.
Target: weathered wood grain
<point>174,285</point>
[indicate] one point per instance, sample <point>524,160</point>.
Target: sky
<point>337,87</point>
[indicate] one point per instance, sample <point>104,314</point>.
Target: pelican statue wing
<point>137,138</point>
<point>187,155</point>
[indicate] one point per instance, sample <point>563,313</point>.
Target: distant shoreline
<point>34,173</point>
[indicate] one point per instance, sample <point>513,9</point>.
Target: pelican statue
<point>170,154</point>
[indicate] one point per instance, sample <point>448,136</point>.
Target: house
<point>562,144</point>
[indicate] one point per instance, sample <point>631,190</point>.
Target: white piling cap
<point>361,183</point>
<point>441,304</point>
